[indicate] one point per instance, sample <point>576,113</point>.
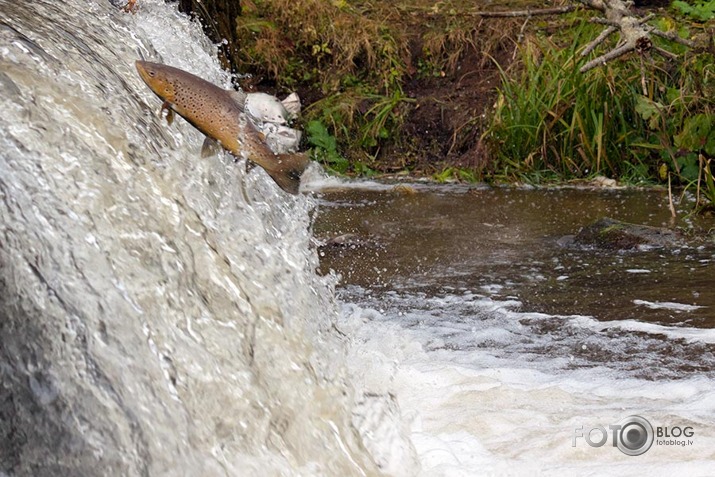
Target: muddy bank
<point>417,87</point>
<point>448,67</point>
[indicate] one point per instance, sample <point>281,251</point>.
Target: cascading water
<point>160,313</point>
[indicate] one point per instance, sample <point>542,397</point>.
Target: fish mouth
<point>145,71</point>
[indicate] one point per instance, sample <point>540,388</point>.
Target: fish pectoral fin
<point>210,147</point>
<point>169,112</point>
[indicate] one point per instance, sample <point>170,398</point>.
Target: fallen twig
<point>525,13</point>
<point>635,33</point>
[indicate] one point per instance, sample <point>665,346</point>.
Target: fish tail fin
<point>288,169</point>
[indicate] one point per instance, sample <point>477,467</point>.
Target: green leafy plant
<point>700,10</point>
<point>450,174</point>
<point>680,123</point>
<point>382,117</point>
<point>325,148</point>
<point>360,120</point>
<point>698,134</point>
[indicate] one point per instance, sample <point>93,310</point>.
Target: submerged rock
<point>272,117</point>
<point>613,234</point>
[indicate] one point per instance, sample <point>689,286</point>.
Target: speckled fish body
<point>215,112</point>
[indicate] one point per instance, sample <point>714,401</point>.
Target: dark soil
<point>443,127</point>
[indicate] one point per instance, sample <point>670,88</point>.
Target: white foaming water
<point>660,305</point>
<point>695,335</point>
<point>316,180</point>
<point>160,313</point>
<point>486,391</point>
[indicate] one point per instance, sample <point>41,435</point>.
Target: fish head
<point>159,78</point>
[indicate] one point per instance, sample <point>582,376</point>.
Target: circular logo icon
<point>635,435</point>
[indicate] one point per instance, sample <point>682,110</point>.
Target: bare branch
<point>599,39</point>
<point>606,57</point>
<point>603,21</point>
<point>665,53</point>
<point>635,33</point>
<point>646,18</point>
<point>594,4</point>
<point>525,13</point>
<point>673,36</point>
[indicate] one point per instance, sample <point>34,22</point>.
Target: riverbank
<point>445,91</point>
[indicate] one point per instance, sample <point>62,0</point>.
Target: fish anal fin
<point>210,147</point>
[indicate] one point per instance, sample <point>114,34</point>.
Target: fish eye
<point>152,73</point>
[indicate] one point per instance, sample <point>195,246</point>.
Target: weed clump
<point>318,42</point>
<point>640,120</point>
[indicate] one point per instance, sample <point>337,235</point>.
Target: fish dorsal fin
<point>210,147</point>
<point>240,98</point>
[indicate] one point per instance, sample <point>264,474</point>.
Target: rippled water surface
<point>509,338</point>
<point>464,244</point>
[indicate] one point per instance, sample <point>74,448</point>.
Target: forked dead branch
<point>618,17</point>
<point>635,33</point>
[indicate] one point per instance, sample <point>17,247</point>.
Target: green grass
<point>638,121</point>
<point>550,117</point>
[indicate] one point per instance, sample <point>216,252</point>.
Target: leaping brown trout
<point>219,114</point>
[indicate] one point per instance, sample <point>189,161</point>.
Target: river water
<point>169,315</point>
<point>499,341</point>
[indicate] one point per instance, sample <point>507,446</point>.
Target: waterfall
<point>160,313</point>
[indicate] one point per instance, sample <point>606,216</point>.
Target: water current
<point>163,314</point>
<point>160,313</point>
<point>500,339</point>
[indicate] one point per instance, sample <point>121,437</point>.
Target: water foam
<point>666,305</point>
<point>161,313</point>
<point>484,394</point>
